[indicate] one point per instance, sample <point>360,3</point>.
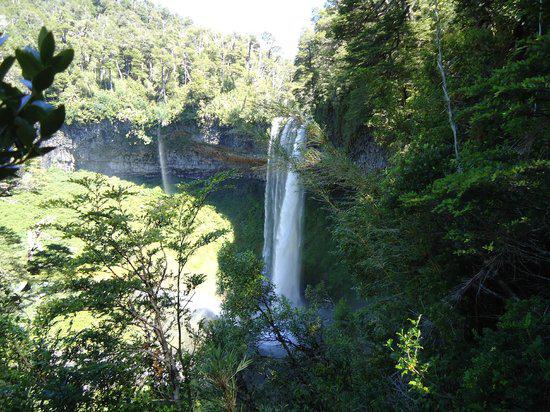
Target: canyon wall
<point>113,148</point>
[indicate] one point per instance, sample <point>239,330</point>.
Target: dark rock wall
<point>368,155</point>
<point>113,149</point>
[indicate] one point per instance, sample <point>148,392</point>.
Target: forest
<point>423,172</point>
<point>137,62</point>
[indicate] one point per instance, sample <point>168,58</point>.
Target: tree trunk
<point>441,68</point>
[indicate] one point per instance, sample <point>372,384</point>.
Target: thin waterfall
<point>284,210</point>
<point>162,160</point>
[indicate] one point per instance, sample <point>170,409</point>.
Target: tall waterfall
<point>284,210</point>
<point>162,160</point>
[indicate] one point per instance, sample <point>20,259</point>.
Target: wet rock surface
<point>113,148</point>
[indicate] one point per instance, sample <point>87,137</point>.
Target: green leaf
<point>25,131</point>
<point>7,171</point>
<point>44,79</point>
<point>52,122</point>
<point>35,113</point>
<point>8,155</point>
<point>42,35</point>
<point>26,83</point>
<point>6,66</point>
<point>6,115</point>
<point>32,51</point>
<point>62,60</point>
<point>47,46</point>
<point>23,101</point>
<point>46,107</point>
<point>10,96</point>
<point>30,65</point>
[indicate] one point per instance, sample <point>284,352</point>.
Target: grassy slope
<point>239,207</point>
<point>28,205</point>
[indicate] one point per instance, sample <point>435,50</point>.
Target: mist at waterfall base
<point>284,210</point>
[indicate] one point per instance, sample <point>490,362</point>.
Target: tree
<point>134,58</point>
<point>459,237</point>
<point>21,111</point>
<point>140,287</point>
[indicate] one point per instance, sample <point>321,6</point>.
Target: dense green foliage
<point>137,62</point>
<point>445,248</point>
<point>20,110</point>
<point>89,307</point>
<point>463,239</point>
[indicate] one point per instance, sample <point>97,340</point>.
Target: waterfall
<point>284,210</point>
<point>162,160</point>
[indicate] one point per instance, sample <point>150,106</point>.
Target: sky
<point>284,19</point>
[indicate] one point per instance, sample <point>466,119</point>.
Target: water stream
<point>284,210</point>
<point>166,186</point>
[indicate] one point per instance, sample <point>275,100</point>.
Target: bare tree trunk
<point>169,359</point>
<point>249,56</point>
<point>530,138</point>
<point>441,68</point>
<point>540,17</point>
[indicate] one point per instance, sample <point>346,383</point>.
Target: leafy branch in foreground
<point>408,357</point>
<point>21,111</point>
<point>131,275</point>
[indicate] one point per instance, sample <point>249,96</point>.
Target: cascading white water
<point>163,168</point>
<point>284,210</point>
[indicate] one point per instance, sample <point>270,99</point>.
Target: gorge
<point>388,253</point>
<point>106,148</point>
<point>114,148</point>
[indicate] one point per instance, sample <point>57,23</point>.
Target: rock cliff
<point>113,149</point>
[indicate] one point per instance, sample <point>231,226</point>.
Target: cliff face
<point>110,148</point>
<point>368,155</point>
<point>113,149</point>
